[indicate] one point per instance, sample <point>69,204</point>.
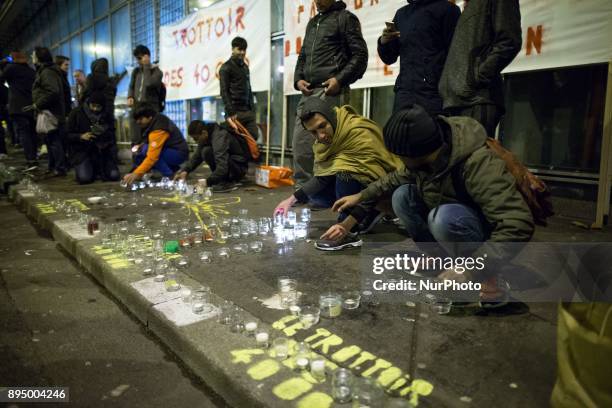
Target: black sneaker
<point>350,241</point>
<point>369,222</point>
<point>224,188</point>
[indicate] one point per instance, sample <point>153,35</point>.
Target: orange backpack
<point>250,141</point>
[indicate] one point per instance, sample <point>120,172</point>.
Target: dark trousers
<point>100,165</point>
<point>23,129</point>
<point>248,120</point>
<point>2,141</point>
<point>168,163</point>
<point>55,146</point>
<point>236,165</point>
<point>335,188</point>
<point>488,116</point>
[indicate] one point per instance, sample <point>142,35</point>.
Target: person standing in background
<point>420,36</point>
<point>79,85</point>
<point>3,117</point>
<point>145,86</point>
<point>20,77</point>
<point>487,38</point>
<point>64,63</point>
<point>51,92</point>
<point>236,88</point>
<point>333,56</point>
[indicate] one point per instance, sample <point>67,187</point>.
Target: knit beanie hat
<point>412,132</point>
<point>314,104</point>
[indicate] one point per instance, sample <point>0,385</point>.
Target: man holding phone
<point>420,36</point>
<point>333,56</point>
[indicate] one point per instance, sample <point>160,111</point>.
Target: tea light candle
<point>250,328</point>
<point>294,309</point>
<point>198,307</point>
<point>262,339</point>
<point>301,362</point>
<point>159,278</point>
<point>317,368</point>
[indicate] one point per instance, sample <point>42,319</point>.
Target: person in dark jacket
<point>225,153</point>
<point>99,81</point>
<point>20,77</point>
<point>63,62</point>
<point>487,38</point>
<point>166,148</point>
<point>79,85</point>
<point>91,141</point>
<point>333,56</point>
<point>145,86</point>
<point>236,88</point>
<point>420,36</point>
<point>51,92</point>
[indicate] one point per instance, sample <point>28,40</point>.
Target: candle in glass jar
<point>262,338</point>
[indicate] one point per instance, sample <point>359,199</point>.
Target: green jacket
<point>357,148</point>
<point>487,181</point>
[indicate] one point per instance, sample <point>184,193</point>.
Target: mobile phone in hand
<point>390,26</point>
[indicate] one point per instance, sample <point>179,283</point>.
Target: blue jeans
<point>336,188</point>
<point>445,223</point>
<point>168,163</point>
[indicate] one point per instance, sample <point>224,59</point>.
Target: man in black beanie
<point>453,188</point>
<point>91,142</point>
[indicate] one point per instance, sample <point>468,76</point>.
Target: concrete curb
<point>205,347</point>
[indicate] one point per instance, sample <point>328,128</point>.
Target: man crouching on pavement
<point>452,189</point>
<point>349,154</point>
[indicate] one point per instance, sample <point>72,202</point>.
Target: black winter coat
<point>51,91</point>
<point>236,86</point>
<point>104,145</point>
<point>487,38</point>
<point>333,47</point>
<point>99,81</point>
<point>426,29</point>
<point>20,78</point>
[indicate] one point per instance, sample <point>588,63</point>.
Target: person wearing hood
<point>166,148</point>
<point>333,56</point>
<point>452,188</point>
<point>91,141</point>
<point>226,154</point>
<point>420,37</point>
<point>51,92</point>
<point>349,154</point>
<point>235,80</point>
<point>99,81</point>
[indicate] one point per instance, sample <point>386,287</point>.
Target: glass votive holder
<point>198,238</point>
<point>148,267</point>
<point>301,230</point>
<point>210,234</point>
<point>241,249</point>
<point>280,348</point>
<point>237,320</point>
<point>223,253</point>
<point>256,246</point>
<point>441,305</point>
<point>182,262</point>
<point>243,213</point>
<point>250,326</point>
<point>186,295</point>
<point>302,355</point>
<point>295,310</point>
<point>330,304</point>
<point>225,313</point>
<point>171,283</point>
<point>342,385</point>
<point>200,301</point>
<point>205,256</point>
<point>287,289</point>
<point>309,316</point>
<point>291,217</point>
<point>317,367</point>
<point>262,338</point>
<point>305,215</point>
<point>351,299</point>
<point>367,393</point>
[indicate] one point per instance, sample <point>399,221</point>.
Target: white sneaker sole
<point>340,247</point>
